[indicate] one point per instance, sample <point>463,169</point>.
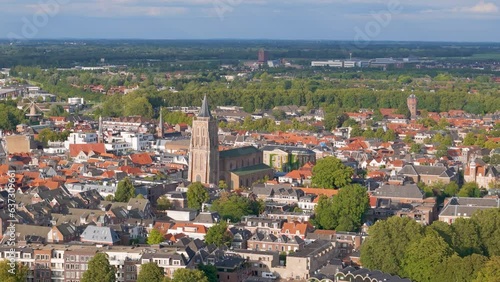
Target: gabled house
<point>100,235</point>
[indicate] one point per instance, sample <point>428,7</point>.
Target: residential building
<point>287,158</point>
<point>463,207</point>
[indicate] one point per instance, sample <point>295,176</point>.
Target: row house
<point>429,174</point>
<point>262,225</point>
<point>279,243</point>
<point>404,200</point>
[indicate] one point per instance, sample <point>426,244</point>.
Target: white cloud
<point>481,8</point>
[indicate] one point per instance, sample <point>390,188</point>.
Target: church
<point>239,167</point>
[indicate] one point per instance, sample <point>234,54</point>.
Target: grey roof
<point>97,234</point>
<point>276,238</point>
<point>205,110</point>
<point>399,191</point>
<point>238,152</point>
<point>67,229</point>
<point>24,230</point>
<point>427,170</point>
<point>468,206</point>
<point>207,217</point>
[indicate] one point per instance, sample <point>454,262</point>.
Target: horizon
<point>311,20</point>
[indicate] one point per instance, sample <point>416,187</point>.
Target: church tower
<point>160,131</point>
<point>204,148</point>
<point>100,137</point>
<point>412,105</point>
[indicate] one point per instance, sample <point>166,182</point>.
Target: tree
<point>234,206</point>
<point>163,204</point>
<point>330,173</point>
<point>356,131</point>
<point>57,111</point>
<point>350,206</point>
<point>470,189</point>
<point>185,275</point>
<point>388,242</point>
<point>456,268</point>
<point>99,269</point>
<point>150,272</point>
<point>488,222</point>
<point>140,196</point>
<point>109,198</point>
<point>139,106</point>
<point>222,185</point>
<point>155,237</point>
<point>197,194</point>
<point>424,257</point>
<point>219,235</point>
<point>125,191</point>
<point>390,135</point>
<point>490,272</point>
<point>210,272</point>
<point>18,273</point>
<point>469,139</point>
<point>415,148</point>
<point>451,189</point>
<point>465,237</point>
<point>279,114</point>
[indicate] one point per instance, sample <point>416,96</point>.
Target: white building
<point>80,138</point>
<point>76,101</point>
<point>138,141</point>
<point>329,63</point>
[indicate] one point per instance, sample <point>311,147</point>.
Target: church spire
<point>160,124</point>
<point>205,110</point>
<point>100,133</point>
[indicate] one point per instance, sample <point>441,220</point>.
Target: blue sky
<point>419,20</point>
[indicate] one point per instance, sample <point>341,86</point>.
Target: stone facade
<point>204,153</point>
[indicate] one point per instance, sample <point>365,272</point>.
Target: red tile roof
<point>75,149</point>
<point>141,159</point>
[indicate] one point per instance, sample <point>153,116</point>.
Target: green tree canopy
<point>466,239</point>
<point>188,275</point>
<point>330,173</point>
<point>470,189</point>
<point>57,111</point>
<point>139,106</point>
<point>456,268</point>
<point>163,203</point>
<point>234,206</point>
<point>125,191</point>
<point>490,272</point>
<point>18,273</point>
<point>210,272</point>
<point>423,258</point>
<point>488,222</point>
<point>155,237</point>
<point>388,243</point>
<point>150,272</point>
<point>99,269</point>
<point>343,212</point>
<point>197,194</point>
<point>219,235</point>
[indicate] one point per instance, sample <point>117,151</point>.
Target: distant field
<point>491,56</point>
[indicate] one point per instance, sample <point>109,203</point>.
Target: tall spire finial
<point>205,110</point>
